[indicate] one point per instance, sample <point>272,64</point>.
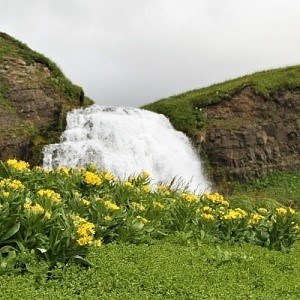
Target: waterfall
<point>126,141</point>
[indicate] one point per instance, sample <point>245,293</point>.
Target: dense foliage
<point>167,269</point>
<point>59,215</point>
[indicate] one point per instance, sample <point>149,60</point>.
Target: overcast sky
<point>132,52</point>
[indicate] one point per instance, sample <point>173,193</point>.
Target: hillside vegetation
<point>183,109</point>
<point>35,97</point>
<point>12,48</point>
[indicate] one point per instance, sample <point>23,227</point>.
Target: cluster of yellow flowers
<point>109,176</point>
<point>216,198</point>
<point>158,205</point>
<point>146,188</point>
<point>12,184</point>
<point>163,190</point>
<point>283,211</point>
<point>234,214</point>
<point>138,206</point>
<point>86,202</point>
<point>18,165</point>
<point>92,178</point>
<point>255,218</point>
<point>110,205</point>
<point>142,220</point>
<point>5,194</point>
<point>50,194</point>
<point>128,184</point>
<point>37,209</point>
<point>107,219</point>
<point>63,170</point>
<point>85,231</point>
<point>190,197</point>
<point>207,217</point>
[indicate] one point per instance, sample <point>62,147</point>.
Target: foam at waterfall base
<point>126,141</point>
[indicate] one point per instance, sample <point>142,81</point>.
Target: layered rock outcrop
<point>249,136</point>
<point>34,99</point>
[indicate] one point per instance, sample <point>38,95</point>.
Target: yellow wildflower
<point>86,202</point>
<point>38,169</point>
<point>255,218</point>
<point>77,194</point>
<point>234,214</point>
<point>107,219</point>
<point>108,176</point>
<point>18,165</point>
<point>207,217</point>
<point>189,197</point>
<point>128,184</point>
<point>84,240</point>
<point>142,220</point>
<point>291,211</point>
<point>92,178</point>
<point>146,188</point>
<point>27,206</point>
<point>47,215</point>
<point>37,209</point>
<point>281,211</point>
<point>262,210</point>
<point>79,220</point>
<point>86,229</point>
<point>5,194</point>
<point>63,170</point>
<point>50,194</point>
<point>138,206</point>
<point>111,205</point>
<point>97,243</point>
<point>164,190</point>
<point>207,209</point>
<point>158,205</point>
<point>12,184</point>
<point>216,198</point>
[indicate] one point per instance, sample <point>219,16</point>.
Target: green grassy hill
<point>180,109</point>
<point>34,98</point>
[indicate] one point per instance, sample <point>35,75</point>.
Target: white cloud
<point>131,52</point>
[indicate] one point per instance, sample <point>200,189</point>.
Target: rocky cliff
<point>34,99</point>
<point>250,136</point>
<point>243,128</point>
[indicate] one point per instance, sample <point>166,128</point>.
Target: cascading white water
<point>126,141</point>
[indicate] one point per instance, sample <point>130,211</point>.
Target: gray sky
<point>132,52</point>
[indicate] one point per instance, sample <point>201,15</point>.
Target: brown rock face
<point>249,136</point>
<point>31,110</point>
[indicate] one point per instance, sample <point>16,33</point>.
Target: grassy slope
<point>10,47</point>
<point>69,92</point>
<point>168,270</point>
<point>180,109</point>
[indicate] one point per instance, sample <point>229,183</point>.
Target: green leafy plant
<point>61,214</point>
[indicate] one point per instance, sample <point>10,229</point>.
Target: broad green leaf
<point>10,232</point>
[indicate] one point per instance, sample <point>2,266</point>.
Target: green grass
<point>10,47</point>
<point>280,187</point>
<point>171,266</point>
<point>13,48</point>
<point>167,270</point>
<point>183,109</point>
